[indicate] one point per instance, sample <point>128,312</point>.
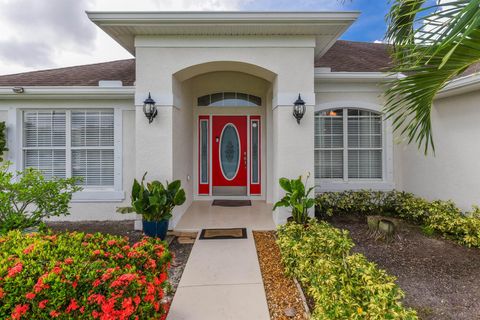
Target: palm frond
<point>432,44</point>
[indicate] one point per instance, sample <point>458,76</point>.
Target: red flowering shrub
<point>82,276</point>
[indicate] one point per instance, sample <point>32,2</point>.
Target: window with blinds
<point>44,142</point>
<point>71,143</point>
<point>92,147</point>
<point>348,144</point>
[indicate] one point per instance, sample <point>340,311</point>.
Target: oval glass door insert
<point>229,151</point>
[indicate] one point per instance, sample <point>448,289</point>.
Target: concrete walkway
<point>222,280</point>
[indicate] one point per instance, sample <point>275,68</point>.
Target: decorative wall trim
<point>68,92</point>
<point>320,74</point>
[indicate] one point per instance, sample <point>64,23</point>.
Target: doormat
<point>232,203</point>
<point>216,234</point>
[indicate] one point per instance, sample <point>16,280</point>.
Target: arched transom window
<point>348,144</point>
<point>229,99</point>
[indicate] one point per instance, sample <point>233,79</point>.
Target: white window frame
<point>87,194</point>
<point>386,183</point>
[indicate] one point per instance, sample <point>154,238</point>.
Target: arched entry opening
<point>222,129</point>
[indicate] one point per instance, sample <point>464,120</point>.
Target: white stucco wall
<point>182,133</point>
<point>84,209</point>
<point>453,172</point>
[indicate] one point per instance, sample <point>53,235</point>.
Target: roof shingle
<point>342,56</point>
<point>85,75</point>
<point>351,56</point>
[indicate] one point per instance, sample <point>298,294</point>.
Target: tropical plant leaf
<point>432,44</point>
<point>174,186</point>
<point>124,210</point>
<point>285,184</point>
<point>179,198</point>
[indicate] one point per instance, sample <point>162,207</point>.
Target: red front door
<point>229,155</point>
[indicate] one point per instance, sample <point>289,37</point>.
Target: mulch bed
<point>440,278</point>
<point>281,291</point>
<point>180,252</point>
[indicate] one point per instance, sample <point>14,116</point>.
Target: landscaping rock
<point>290,312</point>
<point>283,298</point>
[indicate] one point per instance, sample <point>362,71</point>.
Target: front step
<point>184,237</point>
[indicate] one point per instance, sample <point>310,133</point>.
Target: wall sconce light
<point>18,89</point>
<point>149,108</point>
<point>299,109</point>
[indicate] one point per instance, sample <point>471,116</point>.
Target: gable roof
<point>84,75</point>
<point>351,56</point>
<point>344,55</point>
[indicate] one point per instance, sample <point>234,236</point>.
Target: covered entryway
<point>231,114</point>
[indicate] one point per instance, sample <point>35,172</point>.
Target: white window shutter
<point>93,147</point>
<point>44,139</point>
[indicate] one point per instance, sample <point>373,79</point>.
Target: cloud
<point>56,22</point>
<point>40,34</point>
<point>170,5</point>
<point>28,53</point>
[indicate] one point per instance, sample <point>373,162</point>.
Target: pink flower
<point>72,306</point>
<point>56,270</point>
<point>43,304</point>
<point>14,270</point>
<point>30,296</point>
<point>68,261</point>
<point>54,313</point>
<point>19,311</point>
<point>29,249</point>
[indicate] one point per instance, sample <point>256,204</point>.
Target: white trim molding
<point>68,92</point>
<point>124,27</point>
<point>322,75</point>
<point>460,85</point>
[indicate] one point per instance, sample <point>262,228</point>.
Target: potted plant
<point>297,198</point>
<point>155,202</point>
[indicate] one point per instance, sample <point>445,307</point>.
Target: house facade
<point>224,85</point>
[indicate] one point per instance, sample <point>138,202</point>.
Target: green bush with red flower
<point>82,276</point>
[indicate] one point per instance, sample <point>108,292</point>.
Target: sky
<point>44,34</point>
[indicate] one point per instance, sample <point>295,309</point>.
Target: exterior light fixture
<point>18,89</point>
<point>149,108</point>
<point>299,109</point>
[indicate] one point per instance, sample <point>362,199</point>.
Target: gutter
<point>460,85</point>
<point>324,74</point>
<point>67,92</point>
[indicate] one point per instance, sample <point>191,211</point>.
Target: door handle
<point>245,158</point>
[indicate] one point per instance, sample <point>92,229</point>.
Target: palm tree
<point>431,45</point>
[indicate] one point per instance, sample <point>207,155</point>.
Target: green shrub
<point>82,276</point>
<point>26,198</point>
<point>343,285</point>
<point>3,140</point>
<point>442,217</point>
